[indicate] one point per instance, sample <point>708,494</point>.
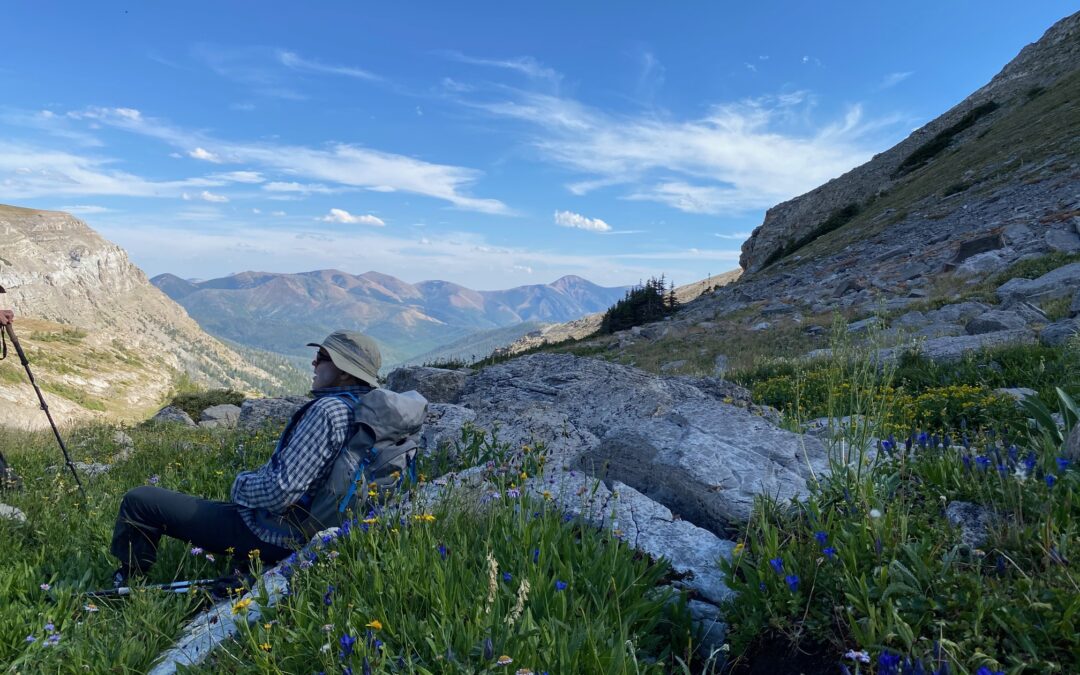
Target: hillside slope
<point>101,339</point>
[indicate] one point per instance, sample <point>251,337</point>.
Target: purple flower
<point>347,642</point>
<point>1029,461</point>
<point>513,493</point>
<point>777,564</point>
<point>829,552</point>
<point>560,585</point>
<point>52,640</point>
<point>536,555</point>
<point>507,577</point>
<point>31,638</point>
<point>792,581</point>
<point>1050,480</point>
<point>49,627</point>
<point>443,551</point>
<point>982,462</point>
<point>155,479</point>
<point>984,670</point>
<point>1063,463</point>
<point>822,537</point>
<point>327,597</point>
<point>195,550</point>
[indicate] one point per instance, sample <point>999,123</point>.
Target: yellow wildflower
<point>523,475</point>
<point>374,624</point>
<point>373,493</point>
<point>739,548</point>
<point>547,495</point>
<point>504,660</point>
<point>426,517</point>
<point>241,605</point>
<point>265,646</point>
<point>253,553</point>
<point>370,521</point>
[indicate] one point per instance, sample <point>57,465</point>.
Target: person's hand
<point>6,316</point>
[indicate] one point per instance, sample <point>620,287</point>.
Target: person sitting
<point>346,364</point>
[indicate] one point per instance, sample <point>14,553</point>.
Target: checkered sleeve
<point>294,467</point>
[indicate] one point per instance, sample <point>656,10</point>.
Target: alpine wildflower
<point>860,656</point>
<point>346,641</point>
<point>44,587</point>
<point>241,605</point>
<point>1050,480</point>
<point>443,551</point>
<point>792,581</point>
<point>1062,463</point>
<point>822,537</point>
<point>507,577</point>
<point>560,585</point>
<point>195,550</point>
<point>374,624</point>
<point>777,564</point>
<point>504,660</point>
<point>829,551</point>
<point>984,670</point>
<point>327,597</point>
<point>265,646</point>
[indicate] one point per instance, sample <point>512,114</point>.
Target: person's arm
<point>6,316</point>
<point>291,470</point>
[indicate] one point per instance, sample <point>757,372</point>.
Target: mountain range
<point>283,312</point>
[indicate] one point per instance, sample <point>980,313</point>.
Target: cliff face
<point>101,339</point>
<point>792,224</point>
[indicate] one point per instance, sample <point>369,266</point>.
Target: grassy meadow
<point>867,570</point>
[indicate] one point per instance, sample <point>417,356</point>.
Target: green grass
<point>612,616</point>
<point>868,562</point>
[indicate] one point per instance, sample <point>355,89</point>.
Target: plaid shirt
<point>298,461</point>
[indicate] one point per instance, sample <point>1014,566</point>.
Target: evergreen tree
<point>645,303</point>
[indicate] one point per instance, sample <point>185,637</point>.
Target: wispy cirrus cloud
<point>525,65</point>
<point>738,156</point>
<point>296,62</point>
<point>334,166</point>
<point>893,79</point>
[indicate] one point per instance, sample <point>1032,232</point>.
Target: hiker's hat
<point>354,353</point>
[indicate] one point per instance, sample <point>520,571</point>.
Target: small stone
<point>12,513</point>
<point>973,520</point>
<point>1063,241</point>
<point>672,365</point>
<point>764,325</point>
<point>1058,333</point>
<point>978,245</point>
<point>1018,393</point>
<point>993,321</point>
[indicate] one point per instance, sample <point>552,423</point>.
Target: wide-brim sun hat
<point>353,353</point>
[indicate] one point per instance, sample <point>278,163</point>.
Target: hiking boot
<point>121,578</point>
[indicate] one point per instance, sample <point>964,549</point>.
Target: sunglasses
<point>322,356</point>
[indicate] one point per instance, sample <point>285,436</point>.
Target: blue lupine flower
<point>507,577</point>
<point>822,537</point>
<point>1029,460</point>
<point>982,462</point>
<point>924,438</point>
<point>777,564</point>
<point>829,552</point>
<point>792,581</point>
<point>347,641</point>
<point>560,585</point>
<point>888,663</point>
<point>1063,463</point>
<point>1050,480</point>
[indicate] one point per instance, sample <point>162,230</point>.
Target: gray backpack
<point>379,453</point>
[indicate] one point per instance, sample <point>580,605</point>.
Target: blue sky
<point>491,144</point>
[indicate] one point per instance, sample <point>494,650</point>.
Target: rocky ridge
<point>101,339</point>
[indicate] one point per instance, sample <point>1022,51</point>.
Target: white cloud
<point>296,62</point>
<point>205,155</point>
<point>208,196</point>
<point>301,188</point>
<point>240,176</point>
<point>85,209</point>
<point>28,171</point>
<point>526,65</point>
<point>341,164</point>
<point>737,236</point>
<point>578,221</point>
<point>893,79</point>
<point>279,214</point>
<point>343,216</point>
<point>738,156</point>
<point>256,211</point>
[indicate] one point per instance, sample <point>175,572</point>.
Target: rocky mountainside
<point>100,337</point>
<point>406,319</point>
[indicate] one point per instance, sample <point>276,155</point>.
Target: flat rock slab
<point>12,513</point>
<point>1057,283</point>
<point>437,385</point>
<point>224,415</point>
<point>700,457</point>
<point>950,349</point>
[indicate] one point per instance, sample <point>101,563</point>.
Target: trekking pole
<point>41,399</point>
<point>219,586</point>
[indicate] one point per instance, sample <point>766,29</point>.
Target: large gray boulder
<point>437,385</point>
<point>12,513</point>
<point>702,458</point>
<point>256,413</point>
<point>993,321</point>
<point>1072,444</point>
<point>1057,283</point>
<point>1059,332</point>
<point>173,415</point>
<point>950,349</point>
<point>225,415</point>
